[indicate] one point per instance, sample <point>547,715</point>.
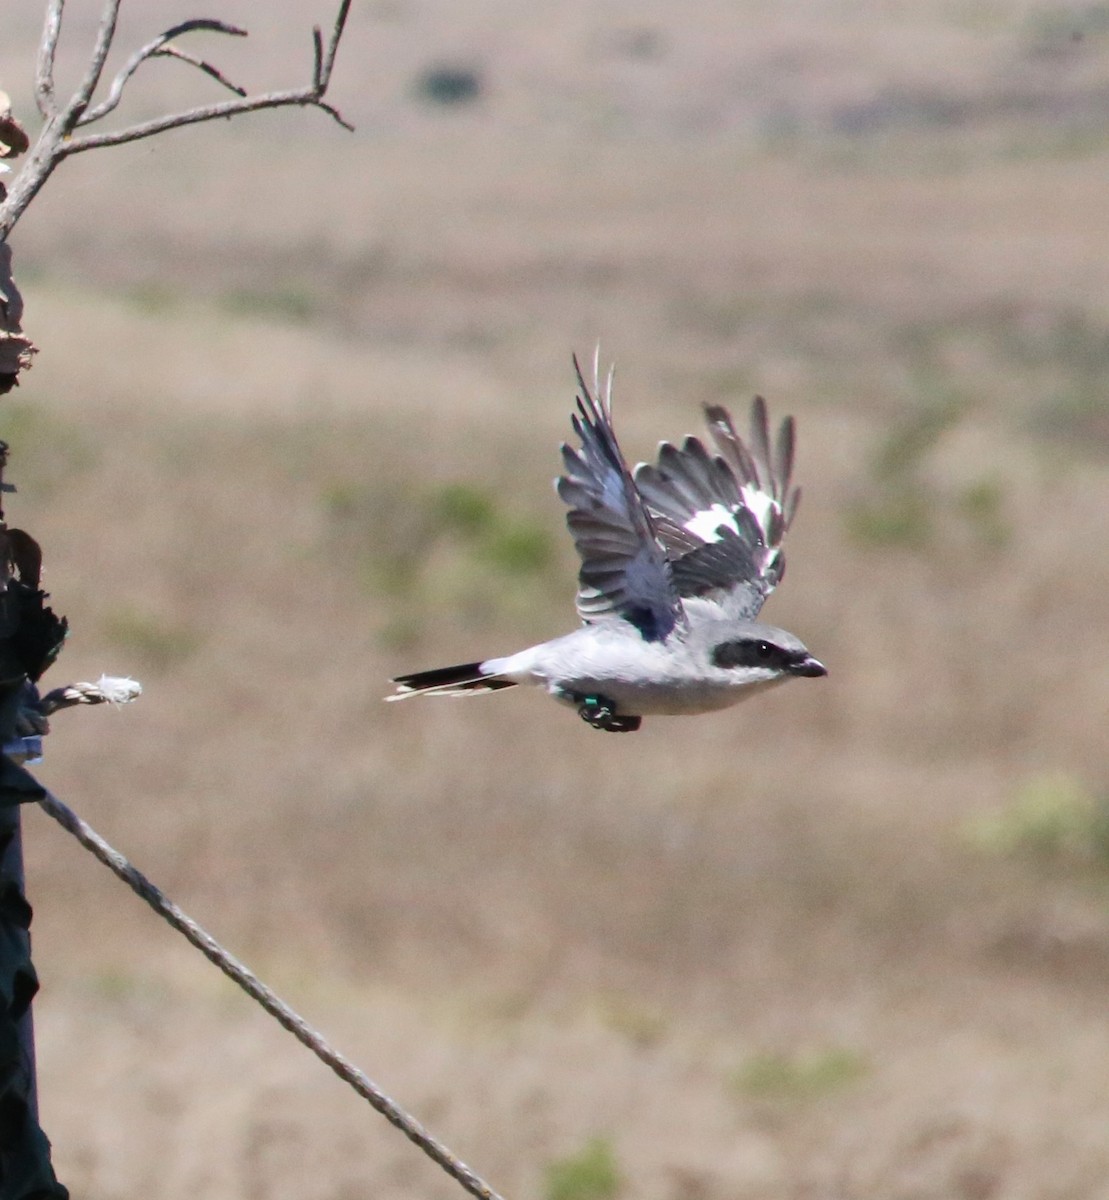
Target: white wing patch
<point>759,504</point>
<point>722,515</point>
<point>706,523</point>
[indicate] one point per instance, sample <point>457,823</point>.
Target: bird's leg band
<point>601,714</point>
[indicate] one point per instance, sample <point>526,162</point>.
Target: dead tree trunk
<point>30,634</point>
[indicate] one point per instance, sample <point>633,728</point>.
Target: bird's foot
<point>601,714</point>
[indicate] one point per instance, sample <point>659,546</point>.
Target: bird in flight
<point>677,559</point>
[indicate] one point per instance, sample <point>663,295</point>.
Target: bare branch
<point>56,141</point>
<point>317,56</point>
<point>157,48</point>
<point>324,77</point>
<point>304,97</point>
<point>104,36</point>
<point>201,65</point>
<point>44,70</point>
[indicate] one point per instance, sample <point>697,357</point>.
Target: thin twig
<point>258,991</point>
<point>44,68</point>
<point>317,58</point>
<point>324,78</point>
<point>156,48</point>
<point>209,112</point>
<point>105,34</point>
<point>201,65</point>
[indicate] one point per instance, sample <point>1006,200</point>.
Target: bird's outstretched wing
<point>624,568</point>
<point>722,516</point>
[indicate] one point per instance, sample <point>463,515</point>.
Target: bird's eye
<point>747,652</point>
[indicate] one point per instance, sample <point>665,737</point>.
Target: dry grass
<point>755,954</point>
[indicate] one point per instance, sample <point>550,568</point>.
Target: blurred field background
<point>292,431</point>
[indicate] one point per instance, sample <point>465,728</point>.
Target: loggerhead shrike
<point>676,561</point>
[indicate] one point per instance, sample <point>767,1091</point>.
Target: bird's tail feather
<point>464,680</point>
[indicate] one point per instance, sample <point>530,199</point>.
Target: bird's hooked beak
<point>809,666</point>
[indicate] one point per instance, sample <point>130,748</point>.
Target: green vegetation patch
<point>639,1024</point>
<point>48,452</point>
<point>465,507</point>
<point>457,548</point>
<point>161,643</point>
<point>902,507</point>
<point>287,303</point>
<point>799,1076</point>
<point>448,85</point>
<point>591,1174</point>
<point>1052,818</point>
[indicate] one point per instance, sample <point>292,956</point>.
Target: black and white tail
<point>464,680</point>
